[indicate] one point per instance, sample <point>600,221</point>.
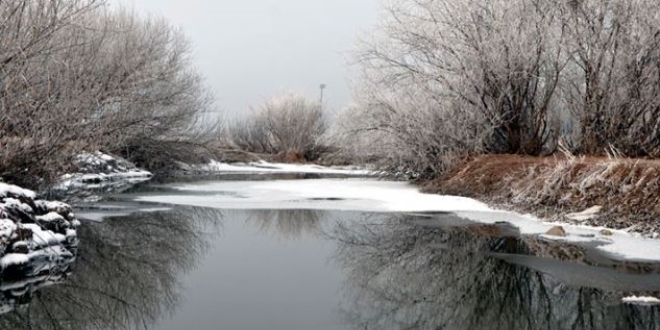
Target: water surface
<point>182,267</point>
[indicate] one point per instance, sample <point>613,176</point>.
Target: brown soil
<point>552,187</point>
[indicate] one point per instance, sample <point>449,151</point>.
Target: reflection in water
<point>404,276</point>
<point>287,223</point>
<point>126,275</point>
<point>20,284</point>
<point>401,272</point>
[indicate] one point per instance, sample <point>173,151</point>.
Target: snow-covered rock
<point>38,240</point>
<point>99,171</point>
<point>27,224</point>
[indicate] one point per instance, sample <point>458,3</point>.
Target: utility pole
<point>322,87</point>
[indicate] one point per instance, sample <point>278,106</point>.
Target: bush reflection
<point>405,276</point>
<point>127,273</point>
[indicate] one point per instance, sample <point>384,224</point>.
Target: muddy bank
<point>624,192</point>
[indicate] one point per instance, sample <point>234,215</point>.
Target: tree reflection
<point>404,276</point>
<point>127,273</point>
<point>289,224</point>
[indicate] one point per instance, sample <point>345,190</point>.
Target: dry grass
<point>627,189</point>
<point>291,157</point>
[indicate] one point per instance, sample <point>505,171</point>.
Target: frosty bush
<point>289,123</point>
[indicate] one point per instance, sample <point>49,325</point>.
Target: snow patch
<point>264,167</point>
<point>8,190</point>
<point>7,228</point>
<point>43,238</point>
<point>369,195</point>
<point>12,202</point>
<point>641,300</point>
<point>99,171</point>
<point>52,205</point>
<point>50,217</point>
<point>587,214</point>
<point>14,259</point>
<point>322,194</point>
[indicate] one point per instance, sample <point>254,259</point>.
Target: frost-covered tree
<point>445,79</point>
<point>76,75</point>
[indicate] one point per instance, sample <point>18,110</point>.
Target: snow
<point>106,157</point>
<point>18,204</point>
<point>71,233</point>
<point>25,243</point>
<point>587,214</point>
<point>8,190</point>
<point>641,300</point>
<point>266,168</point>
<point>100,180</point>
<point>7,228</point>
<point>42,260</point>
<point>50,217</point>
<point>51,205</point>
<point>323,194</point>
<point>44,238</point>
<point>99,170</point>
<point>20,244</point>
<point>370,195</point>
<point>14,259</point>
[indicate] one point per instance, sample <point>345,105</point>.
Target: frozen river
<point>335,254</point>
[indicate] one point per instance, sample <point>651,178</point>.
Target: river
<point>165,259</point>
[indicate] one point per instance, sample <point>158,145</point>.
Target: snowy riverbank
<point>99,171</point>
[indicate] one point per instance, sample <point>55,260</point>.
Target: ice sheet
<point>370,195</point>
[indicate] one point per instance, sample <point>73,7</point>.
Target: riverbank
<point>38,240</point>
<point>609,192</point>
<point>616,193</point>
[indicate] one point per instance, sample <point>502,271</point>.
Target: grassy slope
<point>627,189</point>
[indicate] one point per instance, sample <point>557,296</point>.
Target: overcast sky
<point>249,50</point>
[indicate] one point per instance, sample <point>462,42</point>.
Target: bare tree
<point>75,75</point>
<point>455,78</point>
<point>612,86</point>
<point>446,79</point>
<point>34,117</point>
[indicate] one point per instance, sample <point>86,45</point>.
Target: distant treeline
<point>76,75</point>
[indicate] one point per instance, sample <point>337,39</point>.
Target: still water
<point>165,267</point>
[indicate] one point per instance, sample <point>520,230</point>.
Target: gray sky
<point>249,50</point>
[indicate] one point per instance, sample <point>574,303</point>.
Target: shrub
<point>288,124</point>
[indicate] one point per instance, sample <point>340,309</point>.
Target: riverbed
<point>331,254</point>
